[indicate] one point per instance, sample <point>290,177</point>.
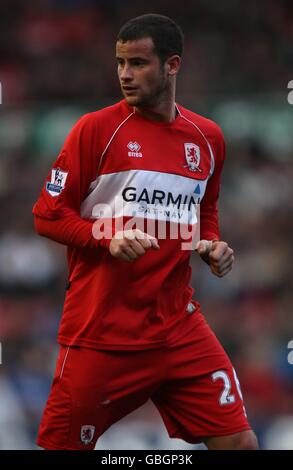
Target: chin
<point>132,100</point>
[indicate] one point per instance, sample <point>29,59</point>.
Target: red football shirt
<point>117,155</point>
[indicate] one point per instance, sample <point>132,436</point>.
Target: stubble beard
<point>158,95</point>
<point>151,100</point>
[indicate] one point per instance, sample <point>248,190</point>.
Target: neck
<point>158,113</point>
<point>164,111</point>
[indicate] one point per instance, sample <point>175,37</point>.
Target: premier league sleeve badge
<point>57,184</point>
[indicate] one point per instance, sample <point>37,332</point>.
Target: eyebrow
<point>132,58</point>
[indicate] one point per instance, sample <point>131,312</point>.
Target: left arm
<point>214,252</point>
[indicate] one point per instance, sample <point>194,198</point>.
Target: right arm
<point>57,214</point>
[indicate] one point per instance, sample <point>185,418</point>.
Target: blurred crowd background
<point>57,62</point>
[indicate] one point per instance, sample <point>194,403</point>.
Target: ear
<point>173,64</point>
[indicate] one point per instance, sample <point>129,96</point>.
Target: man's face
<point>142,77</point>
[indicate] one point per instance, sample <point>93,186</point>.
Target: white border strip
<point>113,135</point>
<point>208,144</point>
<point>64,361</point>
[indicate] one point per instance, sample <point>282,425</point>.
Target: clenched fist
<point>217,254</point>
<point>131,244</point>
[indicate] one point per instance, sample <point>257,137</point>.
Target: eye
<point>138,63</point>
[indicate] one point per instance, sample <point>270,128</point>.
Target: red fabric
<point>97,388</point>
<point>112,304</point>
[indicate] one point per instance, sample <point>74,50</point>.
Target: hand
<point>131,244</point>
<point>217,254</point>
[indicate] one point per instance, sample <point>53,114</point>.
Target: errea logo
<point>134,148</point>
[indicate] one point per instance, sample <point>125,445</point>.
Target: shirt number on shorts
<point>226,397</point>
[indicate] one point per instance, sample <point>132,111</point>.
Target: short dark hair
<point>167,36</point>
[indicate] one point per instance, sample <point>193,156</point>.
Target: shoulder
<point>100,125</point>
<point>106,116</point>
<point>96,129</point>
<point>209,128</point>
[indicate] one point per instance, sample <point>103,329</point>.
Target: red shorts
<point>191,382</point>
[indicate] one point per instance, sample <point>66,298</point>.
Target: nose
<point>125,73</point>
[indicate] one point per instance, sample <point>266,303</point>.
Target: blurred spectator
<point>57,62</point>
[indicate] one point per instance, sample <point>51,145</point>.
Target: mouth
<point>128,90</point>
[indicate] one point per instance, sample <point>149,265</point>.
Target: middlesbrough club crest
<point>192,155</point>
<point>87,432</point>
